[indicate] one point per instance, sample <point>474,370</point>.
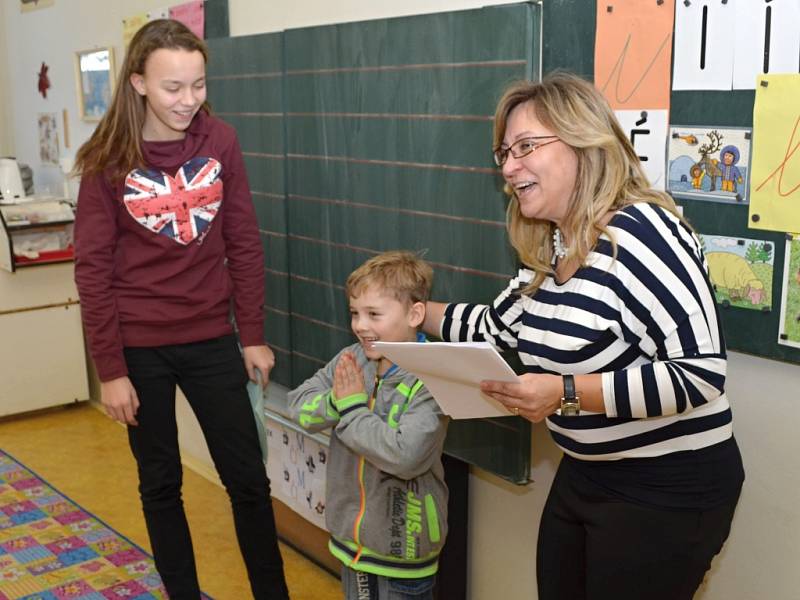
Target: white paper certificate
<point>453,372</point>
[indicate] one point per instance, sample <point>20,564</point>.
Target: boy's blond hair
<point>400,273</point>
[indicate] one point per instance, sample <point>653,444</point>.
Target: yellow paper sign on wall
<point>130,25</point>
<point>775,180</point>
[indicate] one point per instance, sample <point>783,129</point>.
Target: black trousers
<point>594,546</point>
<point>211,374</point>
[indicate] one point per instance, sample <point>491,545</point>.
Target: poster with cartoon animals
<point>789,334</point>
<point>741,270</point>
<point>296,467</point>
<point>708,163</point>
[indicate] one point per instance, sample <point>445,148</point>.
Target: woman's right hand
<point>120,400</point>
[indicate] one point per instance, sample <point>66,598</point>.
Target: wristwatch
<point>571,400</point>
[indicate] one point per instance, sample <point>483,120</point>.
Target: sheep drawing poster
<point>708,163</point>
<point>741,270</point>
<point>790,297</point>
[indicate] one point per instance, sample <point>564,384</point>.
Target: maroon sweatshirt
<point>160,255</point>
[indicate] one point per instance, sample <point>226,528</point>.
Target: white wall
<point>6,132</point>
<point>762,555</point>
<point>761,558</point>
<point>256,16</point>
<point>53,35</point>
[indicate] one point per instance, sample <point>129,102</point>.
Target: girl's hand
<point>535,397</point>
<point>258,358</point>
<point>119,398</point>
<point>348,378</point>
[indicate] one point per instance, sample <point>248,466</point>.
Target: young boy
<point>386,500</point>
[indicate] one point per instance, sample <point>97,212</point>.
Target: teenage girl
<point>166,246</point>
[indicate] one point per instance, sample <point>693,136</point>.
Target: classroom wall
<point>6,131</point>
<point>762,555</point>
<point>68,27</point>
<point>254,16</point>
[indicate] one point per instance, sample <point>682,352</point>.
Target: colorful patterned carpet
<point>52,549</point>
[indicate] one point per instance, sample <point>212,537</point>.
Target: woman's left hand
<point>258,358</point>
<point>535,396</point>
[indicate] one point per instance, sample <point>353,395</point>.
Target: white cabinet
<point>36,232</point>
<point>42,357</point>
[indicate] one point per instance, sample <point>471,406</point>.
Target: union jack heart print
<point>181,207</point>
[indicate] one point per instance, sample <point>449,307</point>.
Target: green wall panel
<point>499,33</point>
<point>276,286</point>
<point>271,212</point>
<point>466,195</point>
<point>265,174</point>
<point>275,252</point>
<point>461,90</point>
<point>435,142</point>
<point>251,55</point>
<point>320,341</point>
<point>261,95</point>
<point>371,136</point>
<point>304,367</point>
<point>258,134</point>
<point>484,248</point>
<point>321,301</point>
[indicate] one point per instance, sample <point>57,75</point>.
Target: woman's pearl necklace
<point>559,250</point>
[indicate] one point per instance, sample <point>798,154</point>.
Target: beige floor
<point>85,455</point>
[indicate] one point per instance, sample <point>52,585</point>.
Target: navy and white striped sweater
<point>646,320</point>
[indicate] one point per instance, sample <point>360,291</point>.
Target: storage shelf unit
<point>36,232</point>
<point>42,357</point>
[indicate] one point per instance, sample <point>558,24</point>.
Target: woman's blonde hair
<point>399,273</point>
<point>116,144</point>
<point>609,174</point>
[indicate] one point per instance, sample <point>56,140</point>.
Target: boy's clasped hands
<point>348,378</point>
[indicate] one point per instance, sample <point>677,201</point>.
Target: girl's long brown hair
<point>115,147</point>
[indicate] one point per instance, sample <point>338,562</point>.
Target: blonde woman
<point>614,320</point>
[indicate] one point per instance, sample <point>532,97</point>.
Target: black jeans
<point>594,546</point>
<point>211,374</point>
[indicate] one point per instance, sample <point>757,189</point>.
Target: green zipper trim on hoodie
<point>393,420</point>
<point>415,389</point>
<point>433,519</point>
<point>379,564</point>
<point>362,492</point>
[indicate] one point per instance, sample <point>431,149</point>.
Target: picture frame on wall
<point>94,79</point>
<point>31,5</point>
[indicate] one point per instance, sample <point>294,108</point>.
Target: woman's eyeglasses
<point>522,148</point>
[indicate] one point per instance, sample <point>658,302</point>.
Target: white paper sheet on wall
<point>648,131</point>
<point>767,40</point>
<point>704,42</point>
<point>297,468</point>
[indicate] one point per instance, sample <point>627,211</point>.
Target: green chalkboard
<point>216,19</point>
<point>245,86</point>
<point>569,37</point>
<point>365,137</point>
